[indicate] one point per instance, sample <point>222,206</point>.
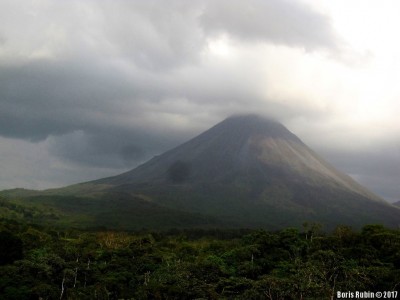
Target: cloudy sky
<point>93,88</point>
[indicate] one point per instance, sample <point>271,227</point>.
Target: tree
<point>10,248</point>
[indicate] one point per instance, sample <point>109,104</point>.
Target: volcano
<point>246,171</point>
<point>251,171</point>
<point>247,152</point>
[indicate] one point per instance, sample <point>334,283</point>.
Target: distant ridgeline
<point>245,172</point>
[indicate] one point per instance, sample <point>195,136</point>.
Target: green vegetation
<point>51,249</point>
<point>43,262</point>
<point>117,211</point>
<point>197,207</point>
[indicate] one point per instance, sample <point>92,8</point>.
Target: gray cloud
<point>110,148</point>
<point>44,98</point>
<point>377,168</point>
<point>135,45</point>
<point>277,21</point>
<point>154,36</point>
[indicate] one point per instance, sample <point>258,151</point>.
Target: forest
<point>43,262</point>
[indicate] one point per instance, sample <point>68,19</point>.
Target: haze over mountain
<point>246,171</point>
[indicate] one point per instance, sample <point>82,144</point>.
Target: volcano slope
<point>246,171</point>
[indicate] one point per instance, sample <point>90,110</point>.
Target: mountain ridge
<point>250,131</point>
<point>246,171</point>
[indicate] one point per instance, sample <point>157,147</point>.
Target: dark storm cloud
<point>110,148</point>
<point>92,113</point>
<point>44,98</point>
